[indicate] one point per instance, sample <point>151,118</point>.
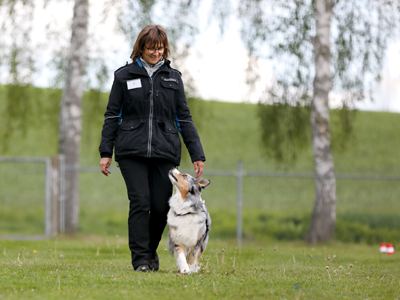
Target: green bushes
<point>377,220</point>
<point>368,228</point>
<point>347,231</point>
<point>261,225</point>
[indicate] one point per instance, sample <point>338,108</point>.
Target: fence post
<point>55,196</point>
<point>239,203</point>
<point>48,192</point>
<point>61,160</point>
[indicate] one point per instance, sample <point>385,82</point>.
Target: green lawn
<point>99,268</point>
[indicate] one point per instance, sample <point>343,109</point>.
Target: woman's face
<point>152,54</point>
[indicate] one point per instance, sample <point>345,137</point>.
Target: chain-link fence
<point>241,202</point>
<point>25,188</point>
<point>256,204</point>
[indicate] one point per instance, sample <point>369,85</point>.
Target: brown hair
<point>151,35</point>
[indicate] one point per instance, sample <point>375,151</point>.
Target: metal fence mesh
<point>104,203</point>
<point>22,198</point>
<point>277,204</point>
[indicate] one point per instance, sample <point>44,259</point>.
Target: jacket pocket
<point>130,135</point>
<point>170,83</point>
<point>168,93</point>
<point>169,140</point>
<point>131,124</point>
<point>167,127</point>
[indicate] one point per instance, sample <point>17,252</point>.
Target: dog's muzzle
<point>171,173</point>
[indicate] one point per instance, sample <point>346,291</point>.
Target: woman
<point>146,111</point>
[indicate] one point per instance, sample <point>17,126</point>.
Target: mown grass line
<point>99,268</point>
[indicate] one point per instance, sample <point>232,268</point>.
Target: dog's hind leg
<point>180,258</point>
<point>193,258</point>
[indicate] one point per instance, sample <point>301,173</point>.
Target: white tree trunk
<point>324,216</point>
<point>70,125</point>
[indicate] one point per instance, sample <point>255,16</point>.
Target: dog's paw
<point>185,271</point>
<point>193,268</point>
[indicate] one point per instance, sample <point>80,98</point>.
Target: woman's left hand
<point>198,167</point>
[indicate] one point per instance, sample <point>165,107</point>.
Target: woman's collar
<point>151,65</point>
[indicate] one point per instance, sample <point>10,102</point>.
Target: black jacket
<point>149,109</point>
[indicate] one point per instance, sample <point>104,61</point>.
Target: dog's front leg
<point>193,258</point>
<point>180,258</point>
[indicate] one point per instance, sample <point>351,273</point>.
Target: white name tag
<point>134,84</point>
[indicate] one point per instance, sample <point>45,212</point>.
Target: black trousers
<point>149,190</point>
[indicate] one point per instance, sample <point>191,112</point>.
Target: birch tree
<point>311,38</point>
<point>324,215</point>
<point>70,124</point>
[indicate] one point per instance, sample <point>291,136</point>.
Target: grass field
<point>99,268</point>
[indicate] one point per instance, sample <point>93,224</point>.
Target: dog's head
<point>186,184</point>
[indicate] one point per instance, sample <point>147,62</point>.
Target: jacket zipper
<point>151,116</point>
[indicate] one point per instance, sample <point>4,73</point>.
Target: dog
<point>189,221</point>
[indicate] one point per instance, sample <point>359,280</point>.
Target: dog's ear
<point>202,182</point>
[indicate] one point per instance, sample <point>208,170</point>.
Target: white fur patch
<point>194,268</point>
<point>188,226</point>
<point>182,264</point>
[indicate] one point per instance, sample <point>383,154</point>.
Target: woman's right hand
<point>105,162</point>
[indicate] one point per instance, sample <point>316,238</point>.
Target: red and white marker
<point>390,249</point>
<point>383,248</point>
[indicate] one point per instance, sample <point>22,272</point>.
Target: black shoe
<point>143,268</point>
<point>154,262</point>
